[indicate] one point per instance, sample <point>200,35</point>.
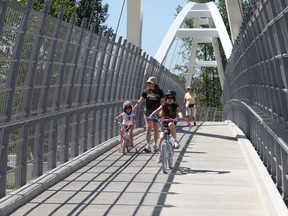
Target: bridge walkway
<point>216,172</point>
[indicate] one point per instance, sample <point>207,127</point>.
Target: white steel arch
<point>203,14</point>
<point>234,12</point>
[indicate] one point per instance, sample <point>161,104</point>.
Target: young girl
<point>168,109</point>
<point>128,119</point>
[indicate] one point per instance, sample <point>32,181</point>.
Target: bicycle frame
<point>125,142</point>
<point>167,150</point>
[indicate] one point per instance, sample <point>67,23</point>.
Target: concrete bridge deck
<point>217,172</point>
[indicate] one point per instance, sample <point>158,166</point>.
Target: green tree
<point>96,13</point>
<point>92,10</point>
<point>69,7</point>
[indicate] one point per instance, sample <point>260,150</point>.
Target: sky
<point>158,15</point>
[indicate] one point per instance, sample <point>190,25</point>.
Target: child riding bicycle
<point>128,120</point>
<point>168,109</point>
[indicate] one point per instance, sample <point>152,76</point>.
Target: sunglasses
<point>149,83</point>
<point>170,98</point>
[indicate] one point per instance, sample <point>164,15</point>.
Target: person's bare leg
<point>156,131</point>
<point>172,128</point>
<point>148,132</point>
<point>173,131</point>
<point>160,140</point>
<point>148,137</point>
<point>131,136</point>
<point>187,113</point>
<point>194,116</point>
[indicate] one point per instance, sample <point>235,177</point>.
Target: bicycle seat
<point>126,127</point>
<point>166,130</point>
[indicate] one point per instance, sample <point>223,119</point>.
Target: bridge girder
<point>235,18</point>
<point>201,13</point>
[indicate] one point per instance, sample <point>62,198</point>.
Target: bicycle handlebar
<point>124,126</point>
<point>168,119</point>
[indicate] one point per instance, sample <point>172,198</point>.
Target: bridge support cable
<point>120,16</point>
<point>174,51</point>
<point>203,15</point>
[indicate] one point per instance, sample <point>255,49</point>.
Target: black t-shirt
<point>170,110</point>
<point>152,98</point>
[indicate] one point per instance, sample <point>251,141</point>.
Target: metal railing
<point>208,114</point>
<point>255,92</point>
<point>60,89</point>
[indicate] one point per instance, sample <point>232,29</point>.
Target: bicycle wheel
<point>164,154</point>
<point>124,143</point>
<point>170,155</point>
<point>131,146</point>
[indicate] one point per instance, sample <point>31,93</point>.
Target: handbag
<point>191,105</point>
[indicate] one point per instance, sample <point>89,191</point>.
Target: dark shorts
<point>148,113</point>
<point>163,128</point>
<point>165,124</point>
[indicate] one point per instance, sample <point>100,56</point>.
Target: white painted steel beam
<point>134,22</point>
<point>220,68</point>
<point>203,21</point>
<point>205,40</point>
<point>192,62</point>
<point>203,15</point>
<point>170,36</point>
<point>206,63</point>
<point>198,13</point>
<point>196,32</point>
<point>219,24</point>
<point>235,16</point>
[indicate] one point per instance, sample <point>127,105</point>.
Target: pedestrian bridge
<point>216,172</point>
<point>61,86</point>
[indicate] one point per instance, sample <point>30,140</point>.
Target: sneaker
<point>147,149</point>
<point>176,145</point>
<point>194,123</point>
<point>159,159</point>
<point>155,148</point>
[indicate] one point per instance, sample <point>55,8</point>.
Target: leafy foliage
<point>94,12</point>
<point>55,7</point>
<point>90,11</point>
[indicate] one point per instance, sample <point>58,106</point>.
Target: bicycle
<point>167,148</point>
<point>125,143</point>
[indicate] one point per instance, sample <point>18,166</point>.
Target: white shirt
<point>128,119</point>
